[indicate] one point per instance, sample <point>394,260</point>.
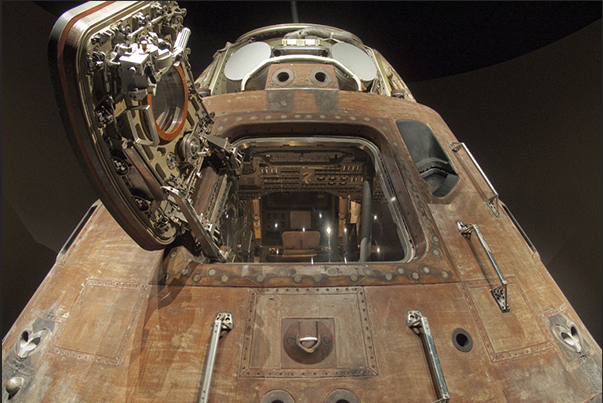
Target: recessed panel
<point>341,320</point>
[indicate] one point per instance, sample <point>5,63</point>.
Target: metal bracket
<point>492,202</point>
<point>147,113</point>
<point>499,293</point>
<point>416,321</point>
<point>223,322</point>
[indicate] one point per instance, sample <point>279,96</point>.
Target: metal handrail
<point>416,321</point>
<point>223,322</point>
<point>305,58</point>
<point>492,202</point>
<point>499,293</point>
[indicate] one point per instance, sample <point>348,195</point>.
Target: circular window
<point>342,396</point>
<point>283,76</point>
<point>277,396</point>
<point>462,340</point>
<point>320,77</point>
<point>169,104</point>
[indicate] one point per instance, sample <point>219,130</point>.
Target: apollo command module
<point>290,226</point>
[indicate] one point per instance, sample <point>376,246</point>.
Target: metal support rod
<point>223,322</point>
<point>499,293</point>
<point>366,223</point>
<point>492,202</point>
<point>294,15</point>
<point>210,249</point>
<point>416,320</point>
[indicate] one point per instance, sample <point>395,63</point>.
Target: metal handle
<point>223,322</point>
<point>499,293</point>
<point>492,202</point>
<point>416,321</point>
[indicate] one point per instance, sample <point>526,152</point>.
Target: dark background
<point>518,82</point>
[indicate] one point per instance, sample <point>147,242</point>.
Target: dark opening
<point>342,401</point>
<point>320,76</point>
<point>429,157</point>
<point>282,76</point>
<point>277,401</point>
<point>462,340</point>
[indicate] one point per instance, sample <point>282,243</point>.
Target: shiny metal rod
<point>223,322</point>
<point>499,293</point>
<point>416,320</point>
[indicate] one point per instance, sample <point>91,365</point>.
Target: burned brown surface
<point>113,322</point>
<point>131,325</point>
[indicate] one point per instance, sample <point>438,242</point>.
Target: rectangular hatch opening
<point>302,200</point>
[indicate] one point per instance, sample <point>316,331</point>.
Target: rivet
<point>317,278</point>
<point>354,277</point>
<point>283,116</point>
<point>260,278</point>
<point>445,274</point>
<point>352,117</point>
<point>331,271</point>
<point>414,188</point>
<point>415,275</point>
<point>400,270</point>
<point>435,238</point>
<point>297,278</point>
<point>388,276</point>
<point>426,269</point>
<point>367,271</point>
<point>185,271</point>
<point>436,252</point>
<point>196,278</point>
<point>268,117</point>
<point>283,273</point>
<point>212,272</point>
<point>224,278</point>
<point>173,253</point>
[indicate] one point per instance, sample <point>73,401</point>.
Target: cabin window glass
<point>302,201</point>
<point>429,157</point>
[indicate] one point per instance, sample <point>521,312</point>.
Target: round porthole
<point>321,77</point>
<point>283,76</point>
<point>170,103</point>
<point>462,340</point>
<point>277,396</point>
<point>342,396</point>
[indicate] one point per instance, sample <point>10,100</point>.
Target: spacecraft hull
<point>465,312</point>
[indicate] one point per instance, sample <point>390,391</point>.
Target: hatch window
<point>314,200</point>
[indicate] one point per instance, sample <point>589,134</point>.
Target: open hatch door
<point>130,107</point>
